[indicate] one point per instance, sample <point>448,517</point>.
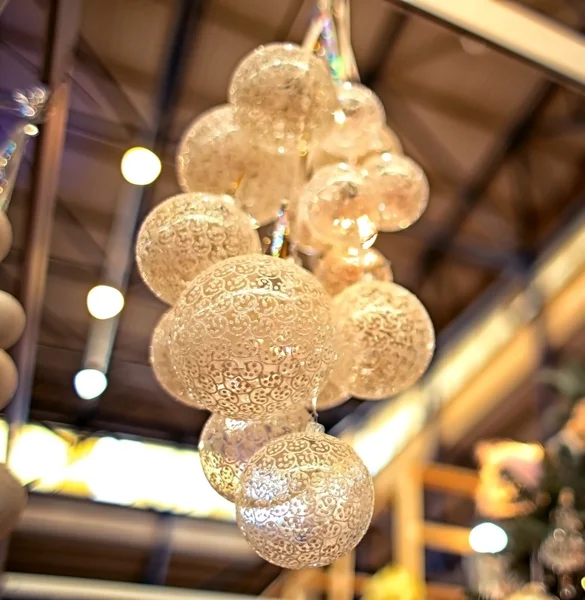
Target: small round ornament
<point>305,500</point>
<point>253,336</point>
<point>401,187</point>
<point>331,395</point>
<point>12,320</point>
<point>8,378</point>
<point>14,498</point>
<point>339,209</point>
<point>186,234</point>
<point>226,446</point>
<point>340,268</point>
<point>162,366</point>
<point>284,98</point>
<point>387,336</point>
<point>5,235</point>
<point>357,122</point>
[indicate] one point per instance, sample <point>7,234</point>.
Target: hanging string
<point>342,19</point>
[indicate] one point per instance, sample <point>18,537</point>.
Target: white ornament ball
<point>14,499</point>
<point>5,235</point>
<point>162,365</point>
<point>357,122</point>
<point>340,268</point>
<point>284,98</point>
<point>186,234</point>
<point>226,446</point>
<point>252,336</point>
<point>340,210</point>
<point>12,320</point>
<point>386,336</point>
<point>305,500</point>
<point>401,187</point>
<point>8,378</point>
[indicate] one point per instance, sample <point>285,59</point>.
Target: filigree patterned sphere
<point>284,98</point>
<point>401,187</point>
<point>212,153</point>
<point>339,208</point>
<point>357,122</point>
<point>14,499</point>
<point>186,234</point>
<point>226,446</point>
<point>387,336</point>
<point>331,395</point>
<point>162,366</point>
<point>12,320</point>
<point>339,268</point>
<point>253,336</point>
<point>305,500</point>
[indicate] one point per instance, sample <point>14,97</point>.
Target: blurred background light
<point>90,383</point>
<point>140,166</point>
<point>488,538</point>
<point>104,302</point>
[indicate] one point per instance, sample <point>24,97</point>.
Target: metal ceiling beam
<point>524,34</point>
<point>62,34</point>
<point>136,200</point>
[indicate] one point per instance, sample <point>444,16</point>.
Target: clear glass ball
<point>211,156</point>
<point>401,187</point>
<point>162,365</point>
<point>386,336</point>
<point>226,446</point>
<point>186,234</point>
<point>340,268</point>
<point>253,337</point>
<point>305,500</point>
<point>357,122</point>
<point>340,210</point>
<point>300,232</point>
<point>284,98</point>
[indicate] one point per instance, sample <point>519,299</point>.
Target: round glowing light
<point>90,383</point>
<point>488,538</point>
<point>30,129</point>
<point>104,302</point>
<point>305,500</point>
<point>140,166</point>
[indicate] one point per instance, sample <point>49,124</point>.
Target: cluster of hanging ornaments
<point>258,340</point>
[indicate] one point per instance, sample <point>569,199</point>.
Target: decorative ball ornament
<point>401,187</point>
<point>331,395</point>
<point>340,268</point>
<point>14,498</point>
<point>305,500</point>
<point>212,153</point>
<point>5,235</point>
<point>252,336</point>
<point>357,122</point>
<point>284,98</point>
<point>226,446</point>
<point>8,379</point>
<point>12,320</point>
<point>186,234</point>
<point>340,210</point>
<point>387,336</point>
<point>162,366</point>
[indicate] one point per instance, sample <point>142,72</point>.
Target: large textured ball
<point>212,153</point>
<point>186,234</point>
<point>357,122</point>
<point>305,500</point>
<point>387,335</point>
<point>401,187</point>
<point>13,501</point>
<point>253,336</point>
<point>284,98</point>
<point>331,395</point>
<point>5,235</point>
<point>162,366</point>
<point>226,446</point>
<point>339,269</point>
<point>339,209</point>
<point>12,320</point>
<point>8,379</point>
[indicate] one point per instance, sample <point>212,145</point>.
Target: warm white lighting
<point>339,117</point>
<point>140,166</point>
<point>90,383</point>
<point>488,538</point>
<point>30,129</point>
<point>104,302</point>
